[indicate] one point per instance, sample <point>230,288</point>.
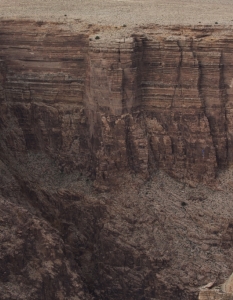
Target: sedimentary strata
<point>92,122</point>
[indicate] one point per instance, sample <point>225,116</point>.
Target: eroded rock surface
<point>156,100</point>
<point>91,127</point>
<point>223,292</point>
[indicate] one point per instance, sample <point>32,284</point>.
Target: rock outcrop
<point>91,125</point>
<point>223,292</point>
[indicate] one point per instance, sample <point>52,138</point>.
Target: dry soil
<point>120,12</point>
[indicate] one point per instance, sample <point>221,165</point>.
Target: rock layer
<point>83,107</point>
<point>155,100</point>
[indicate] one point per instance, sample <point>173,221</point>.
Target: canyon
<point>115,160</point>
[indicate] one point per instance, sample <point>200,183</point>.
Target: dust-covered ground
<point>122,12</point>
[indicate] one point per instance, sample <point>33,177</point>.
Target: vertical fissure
<point>224,100</point>
<point>204,106</point>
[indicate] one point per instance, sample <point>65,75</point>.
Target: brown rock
<point>84,126</point>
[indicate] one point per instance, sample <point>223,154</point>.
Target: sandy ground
<point>120,12</point>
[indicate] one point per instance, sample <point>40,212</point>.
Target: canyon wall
<point>158,99</point>
<point>92,122</point>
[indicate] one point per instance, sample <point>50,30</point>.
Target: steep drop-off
<point>92,122</point>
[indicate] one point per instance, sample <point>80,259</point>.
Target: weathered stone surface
<point>143,103</point>
<point>81,115</point>
<point>214,295</point>
<point>223,292</point>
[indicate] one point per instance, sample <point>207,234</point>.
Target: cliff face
<point>76,109</point>
<point>156,100</point>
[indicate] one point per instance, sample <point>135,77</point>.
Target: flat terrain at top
<point>120,12</point>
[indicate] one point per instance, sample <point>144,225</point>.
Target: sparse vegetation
<point>97,37</point>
